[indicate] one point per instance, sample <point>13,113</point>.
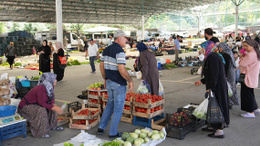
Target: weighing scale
<point>12,126</point>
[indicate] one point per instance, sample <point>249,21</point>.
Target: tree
<point>15,27</point>
<point>2,27</point>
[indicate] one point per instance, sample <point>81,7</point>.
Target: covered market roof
<point>92,11</point>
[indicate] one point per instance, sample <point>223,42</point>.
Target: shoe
<point>115,136</point>
<point>100,131</point>
<point>93,72</point>
<point>257,111</point>
<point>238,84</point>
<point>59,81</point>
<point>215,136</point>
<point>208,129</point>
<point>248,115</point>
<point>46,136</point>
<point>231,107</point>
<point>58,128</point>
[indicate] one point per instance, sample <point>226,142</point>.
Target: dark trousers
<point>92,64</point>
<point>248,102</point>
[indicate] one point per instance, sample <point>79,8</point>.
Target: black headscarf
<point>141,47</point>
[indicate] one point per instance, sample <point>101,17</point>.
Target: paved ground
<point>179,91</point>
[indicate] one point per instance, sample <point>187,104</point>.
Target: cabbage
<point>146,140</point>
<point>143,135</point>
<point>156,137</point>
<point>138,142</point>
<point>124,136</point>
<point>150,134</point>
<point>127,143</point>
<point>161,134</point>
<point>134,135</point>
<point>142,140</point>
<point>137,131</point>
<point>130,139</point>
<point>145,131</point>
<point>155,131</point>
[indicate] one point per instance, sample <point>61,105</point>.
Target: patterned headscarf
<point>58,45</point>
<point>47,80</point>
<point>141,47</point>
<point>227,50</point>
<point>255,45</point>
<point>210,47</point>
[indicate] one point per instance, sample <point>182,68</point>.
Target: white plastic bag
<point>230,92</point>
<point>201,111</point>
<point>161,90</point>
<point>142,89</point>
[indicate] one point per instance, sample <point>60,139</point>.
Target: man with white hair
<point>112,68</point>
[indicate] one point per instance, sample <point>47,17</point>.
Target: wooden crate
<point>148,114</point>
<point>86,126</point>
<point>64,117</point>
<point>87,117</point>
<point>4,82</point>
<point>128,118</point>
<point>149,104</point>
<point>158,125</point>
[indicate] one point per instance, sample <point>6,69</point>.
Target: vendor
<point>38,107</point>
<point>148,67</point>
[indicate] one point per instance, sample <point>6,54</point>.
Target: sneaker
<point>100,131</point>
<point>248,115</point>
<point>93,72</point>
<point>58,128</point>
<point>46,136</point>
<point>213,135</point>
<point>115,136</point>
<point>257,111</point>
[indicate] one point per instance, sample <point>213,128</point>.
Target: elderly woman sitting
<point>38,107</point>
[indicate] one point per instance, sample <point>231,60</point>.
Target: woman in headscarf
<point>230,67</point>
<point>148,67</point>
<point>44,57</point>
<point>38,107</point>
<point>10,54</point>
<point>249,65</point>
<point>58,69</point>
<point>215,80</point>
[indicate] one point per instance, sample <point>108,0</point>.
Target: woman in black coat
<point>44,57</point>
<point>58,69</point>
<point>215,80</point>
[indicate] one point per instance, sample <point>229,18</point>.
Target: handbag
<point>242,78</point>
<point>214,114</point>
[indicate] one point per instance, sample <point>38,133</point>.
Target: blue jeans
<point>115,106</point>
<point>237,74</point>
<point>92,63</point>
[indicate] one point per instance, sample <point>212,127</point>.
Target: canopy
<point>101,29</point>
<point>233,27</point>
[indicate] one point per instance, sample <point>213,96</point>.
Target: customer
<point>230,67</point>
<point>59,62</point>
<point>177,48</point>
<point>44,57</point>
<point>170,42</point>
<point>148,67</point>
<point>93,53</point>
<point>238,38</point>
<point>248,36</point>
<point>208,34</point>
<point>52,49</point>
<point>110,40</point>
<point>249,65</point>
<point>85,44</point>
<point>38,107</point>
<point>215,80</point>
<point>112,67</point>
<point>236,56</point>
<point>10,54</point>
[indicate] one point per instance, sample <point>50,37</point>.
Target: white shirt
<point>237,62</point>
<point>109,42</point>
<point>201,57</point>
<point>92,50</point>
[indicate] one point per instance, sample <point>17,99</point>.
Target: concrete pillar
<point>142,27</point>
<point>199,23</point>
<point>236,28</point>
<point>59,21</point>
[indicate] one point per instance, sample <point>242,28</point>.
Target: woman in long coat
<point>44,57</point>
<point>57,68</point>
<point>148,67</point>
<point>215,80</point>
<point>230,67</point>
<point>10,54</point>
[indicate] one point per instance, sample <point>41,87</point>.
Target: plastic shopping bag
<point>230,92</point>
<point>215,115</point>
<point>201,111</point>
<point>143,88</point>
<point>161,90</point>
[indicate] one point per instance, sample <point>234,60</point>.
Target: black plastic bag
<point>214,114</point>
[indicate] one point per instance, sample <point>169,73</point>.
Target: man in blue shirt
<point>112,67</point>
<point>177,48</point>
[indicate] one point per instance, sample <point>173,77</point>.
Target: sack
<point>241,78</point>
<point>161,90</point>
<point>143,88</point>
<point>62,62</point>
<point>230,92</point>
<point>201,111</point>
<point>214,115</point>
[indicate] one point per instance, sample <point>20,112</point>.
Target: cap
<point>119,33</point>
<point>90,39</point>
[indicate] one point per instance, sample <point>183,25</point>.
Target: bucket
<point>138,75</point>
<point>159,64</point>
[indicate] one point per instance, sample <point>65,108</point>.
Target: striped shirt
<point>112,56</point>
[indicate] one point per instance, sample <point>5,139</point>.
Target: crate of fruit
<point>147,112</point>
<point>84,124</point>
<point>104,98</point>
<point>178,132</point>
<point>62,119</point>
<point>148,101</point>
<point>179,119</point>
<point>86,113</point>
<point>127,109</point>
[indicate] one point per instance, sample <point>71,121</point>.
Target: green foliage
<point>18,64</point>
<point>75,62</point>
